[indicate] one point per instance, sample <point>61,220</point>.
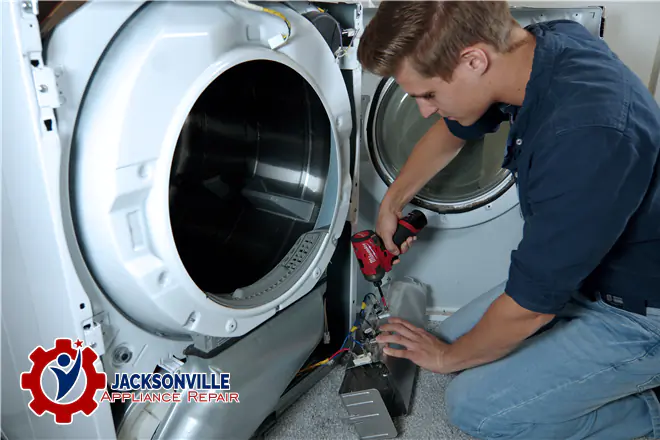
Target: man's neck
<point>511,71</point>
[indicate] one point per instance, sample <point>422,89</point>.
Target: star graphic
<point>78,343</point>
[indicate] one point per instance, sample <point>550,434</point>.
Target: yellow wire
<point>278,14</point>
<point>325,361</point>
<point>311,367</point>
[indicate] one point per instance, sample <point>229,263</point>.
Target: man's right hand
<point>388,220</point>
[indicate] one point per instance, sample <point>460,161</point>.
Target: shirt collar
<point>542,65</point>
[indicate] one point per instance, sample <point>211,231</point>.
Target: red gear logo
<point>63,412</point>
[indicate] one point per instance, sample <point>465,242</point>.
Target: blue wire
<point>349,334</point>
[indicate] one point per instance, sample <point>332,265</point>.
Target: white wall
<point>632,30</point>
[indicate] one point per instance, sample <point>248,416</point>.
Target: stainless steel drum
<point>473,179</point>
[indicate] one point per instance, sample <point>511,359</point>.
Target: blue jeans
<point>590,375</point>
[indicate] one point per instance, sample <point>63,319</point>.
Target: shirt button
<point>519,142</point>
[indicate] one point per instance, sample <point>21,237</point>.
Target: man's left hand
<point>421,347</point>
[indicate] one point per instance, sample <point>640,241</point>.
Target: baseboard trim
<point>439,313</point>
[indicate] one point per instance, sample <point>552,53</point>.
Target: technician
<point>571,348</point>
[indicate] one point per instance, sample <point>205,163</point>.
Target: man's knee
<point>464,409</point>
<point>474,410</point>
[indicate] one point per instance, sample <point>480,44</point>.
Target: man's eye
<point>429,96</point>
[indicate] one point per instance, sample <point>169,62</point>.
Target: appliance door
<point>209,172</point>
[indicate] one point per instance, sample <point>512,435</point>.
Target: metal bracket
<point>368,414</point>
<point>31,6</point>
<point>171,364</point>
<point>207,343</point>
<point>93,333</point>
<point>46,87</point>
<point>44,78</point>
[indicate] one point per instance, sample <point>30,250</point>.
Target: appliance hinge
<point>45,84</point>
<point>93,331</point>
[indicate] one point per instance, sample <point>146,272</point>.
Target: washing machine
<point>177,178</point>
<point>474,220</point>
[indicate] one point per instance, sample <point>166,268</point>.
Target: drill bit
<point>382,297</point>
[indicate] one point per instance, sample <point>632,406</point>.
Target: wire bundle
<point>342,348</point>
<point>246,4</point>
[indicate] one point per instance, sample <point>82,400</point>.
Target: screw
<point>231,325</point>
<point>122,355</point>
<point>144,171</point>
<point>26,5</point>
<point>43,88</point>
<point>163,279</point>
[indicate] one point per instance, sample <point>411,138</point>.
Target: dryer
<point>471,205</point>
<point>176,181</point>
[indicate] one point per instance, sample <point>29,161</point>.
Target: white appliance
<point>180,180</point>
<point>175,182</point>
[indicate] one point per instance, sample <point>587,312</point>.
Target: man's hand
<point>421,347</point>
<point>500,330</point>
<point>388,220</point>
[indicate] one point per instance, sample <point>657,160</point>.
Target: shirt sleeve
<point>488,123</point>
<point>583,189</point>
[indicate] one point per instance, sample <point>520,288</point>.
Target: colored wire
<point>341,350</point>
<point>246,4</point>
<point>358,342</point>
<point>286,21</point>
<point>324,361</point>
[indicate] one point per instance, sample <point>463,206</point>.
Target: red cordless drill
<point>375,260</point>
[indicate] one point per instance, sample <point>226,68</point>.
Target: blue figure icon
<point>66,379</point>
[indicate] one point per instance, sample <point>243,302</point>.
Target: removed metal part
<point>375,392</point>
<point>280,345</point>
<point>368,414</point>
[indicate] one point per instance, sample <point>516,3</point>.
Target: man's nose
<point>425,108</point>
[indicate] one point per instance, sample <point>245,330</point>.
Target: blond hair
<point>432,34</point>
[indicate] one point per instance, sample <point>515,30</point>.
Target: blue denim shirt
<point>584,148</point>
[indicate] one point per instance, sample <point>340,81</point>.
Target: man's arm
<point>501,329</point>
<point>587,184</point>
<point>432,153</point>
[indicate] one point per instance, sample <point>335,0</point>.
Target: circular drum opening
<point>248,174</point>
<point>474,178</point>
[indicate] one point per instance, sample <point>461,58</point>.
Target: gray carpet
<point>319,413</point>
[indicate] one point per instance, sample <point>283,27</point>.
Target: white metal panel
<point>41,296</point>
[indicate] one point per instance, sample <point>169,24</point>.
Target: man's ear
<point>474,60</point>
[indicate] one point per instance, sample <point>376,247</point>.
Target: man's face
<point>465,99</point>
